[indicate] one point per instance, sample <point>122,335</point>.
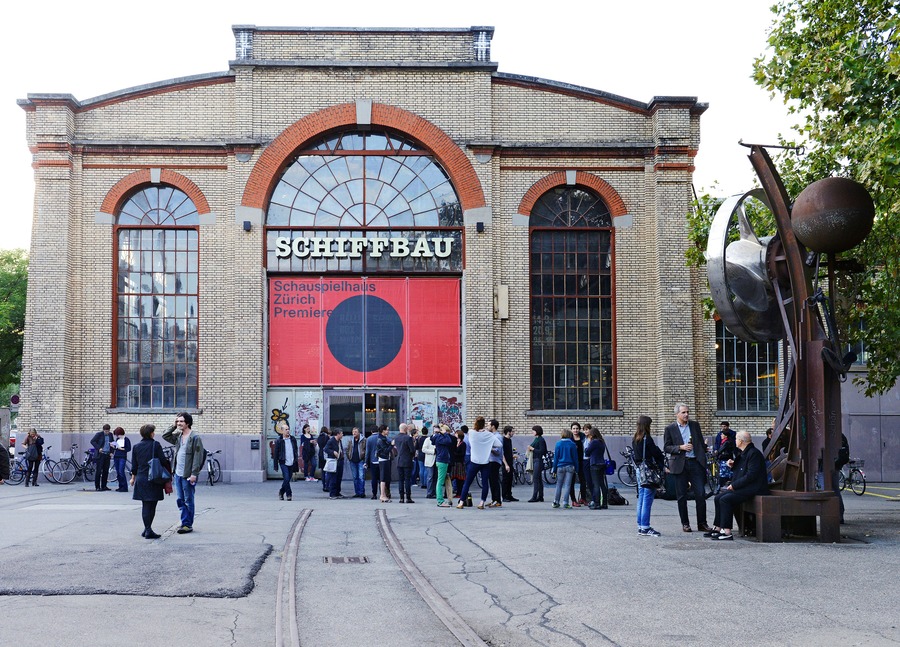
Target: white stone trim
<point>518,220</point>
<point>254,215</point>
<point>363,112</point>
<point>104,218</point>
<point>623,222</point>
<point>155,175</point>
<point>570,177</point>
<point>206,218</point>
<point>481,214</point>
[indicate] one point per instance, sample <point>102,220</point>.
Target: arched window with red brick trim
<point>572,301</point>
<point>156,318</point>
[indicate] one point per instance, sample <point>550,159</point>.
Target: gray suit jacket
<point>671,441</point>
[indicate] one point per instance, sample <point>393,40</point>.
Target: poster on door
<point>364,332</point>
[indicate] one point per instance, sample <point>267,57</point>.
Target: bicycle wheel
<point>215,470</point>
<point>627,475</point>
<point>857,482</point>
<point>16,472</point>
<point>712,483</point>
<point>64,471</point>
<point>88,470</point>
<point>550,477</point>
<point>520,474</point>
<point>47,466</point>
<point>842,480</point>
<point>529,477</point>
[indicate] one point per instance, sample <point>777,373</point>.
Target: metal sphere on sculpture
<point>833,215</point>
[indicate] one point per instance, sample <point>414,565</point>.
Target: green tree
<point>836,64</point>
<point>13,288</point>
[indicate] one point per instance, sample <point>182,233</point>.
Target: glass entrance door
<point>364,409</point>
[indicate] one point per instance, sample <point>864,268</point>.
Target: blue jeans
<point>471,470</point>
<point>286,474</point>
<point>564,482</point>
<point>120,472</point>
<point>424,473</point>
<point>358,472</point>
<point>644,503</point>
<point>184,497</point>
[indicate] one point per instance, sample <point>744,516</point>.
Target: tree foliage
<point>836,64</point>
<point>13,287</point>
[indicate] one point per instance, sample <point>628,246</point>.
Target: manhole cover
<point>346,560</point>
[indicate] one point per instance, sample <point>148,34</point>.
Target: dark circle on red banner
<point>368,347</point>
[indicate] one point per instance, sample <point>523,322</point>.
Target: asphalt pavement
<point>75,571</point>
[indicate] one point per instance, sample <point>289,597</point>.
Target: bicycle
<point>854,476</point>
<point>18,468</point>
<point>628,471</point>
<point>213,469</point>
<point>713,484</point>
<point>521,475</point>
<point>549,474</point>
<point>68,469</point>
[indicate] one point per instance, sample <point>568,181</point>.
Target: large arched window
<point>156,239</point>
<point>746,374</point>
<point>346,184</point>
<point>572,303</point>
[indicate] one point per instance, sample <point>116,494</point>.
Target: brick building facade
<point>227,141</point>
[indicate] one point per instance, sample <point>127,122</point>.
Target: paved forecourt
<point>524,574</point>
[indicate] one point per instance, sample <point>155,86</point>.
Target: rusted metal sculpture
<point>767,289</point>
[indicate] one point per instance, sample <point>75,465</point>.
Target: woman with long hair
<point>308,452</point>
<point>483,443</point>
<point>34,451</point>
<point>645,450</point>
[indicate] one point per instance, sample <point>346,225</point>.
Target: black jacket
<point>279,453</point>
<point>749,473</point>
<point>144,490</point>
<point>406,450</point>
<point>654,455</point>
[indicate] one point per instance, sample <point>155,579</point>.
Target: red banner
<point>364,332</point>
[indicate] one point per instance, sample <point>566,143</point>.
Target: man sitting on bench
<point>749,479</point>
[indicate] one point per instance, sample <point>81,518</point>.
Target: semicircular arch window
<point>364,185</point>
<point>156,320</point>
<point>373,179</point>
<point>572,302</point>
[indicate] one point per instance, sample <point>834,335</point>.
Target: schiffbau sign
<point>345,247</point>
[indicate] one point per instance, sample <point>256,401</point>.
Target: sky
<point>701,48</point>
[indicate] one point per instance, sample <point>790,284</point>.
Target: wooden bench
<point>787,513</point>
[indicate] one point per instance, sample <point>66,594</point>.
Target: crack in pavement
<point>542,608</point>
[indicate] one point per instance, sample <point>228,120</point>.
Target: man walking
<point>683,441</point>
<point>189,457</point>
<point>356,454</point>
<point>334,449</point>
<point>104,443</point>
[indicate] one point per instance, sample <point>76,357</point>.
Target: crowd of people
<point>446,465</point>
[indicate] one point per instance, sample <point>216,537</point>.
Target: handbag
<point>649,475</point>
<point>32,453</point>
<point>157,472</point>
<point>529,464</point>
<point>610,463</point>
<point>331,465</point>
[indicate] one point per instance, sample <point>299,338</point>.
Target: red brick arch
<point>610,196</point>
<point>117,194</point>
<point>273,159</point>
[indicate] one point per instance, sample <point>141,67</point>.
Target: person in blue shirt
<point>565,460</point>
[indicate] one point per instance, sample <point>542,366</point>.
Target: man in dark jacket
<point>104,444</point>
<point>507,484</point>
<point>749,479</point>
<point>321,441</point>
<point>683,442</point>
<point>334,448</point>
<point>406,452</point>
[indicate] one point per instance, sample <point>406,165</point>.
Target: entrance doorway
<point>364,409</point>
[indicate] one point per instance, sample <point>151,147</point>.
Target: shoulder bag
<point>157,472</point>
<point>649,475</point>
<point>331,465</point>
<point>610,463</point>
